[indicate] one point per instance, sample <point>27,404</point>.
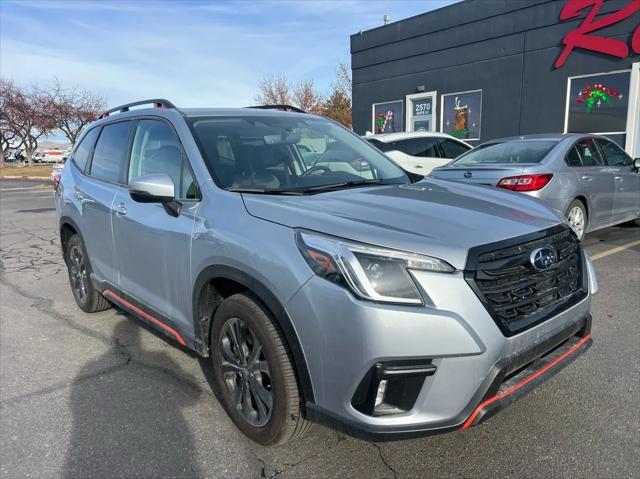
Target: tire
<point>576,215</point>
<point>258,372</point>
<point>87,297</point>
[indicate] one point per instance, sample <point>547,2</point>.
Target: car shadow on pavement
<point>128,420</point>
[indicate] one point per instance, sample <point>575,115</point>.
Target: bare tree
<point>343,79</point>
<point>306,97</point>
<point>70,109</point>
<point>274,90</point>
<point>11,119</point>
<point>30,119</point>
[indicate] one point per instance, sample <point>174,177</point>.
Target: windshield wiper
<point>306,190</point>
<point>266,191</point>
<point>346,184</point>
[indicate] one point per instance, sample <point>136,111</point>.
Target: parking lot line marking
<point>615,250</point>
<point>42,187</point>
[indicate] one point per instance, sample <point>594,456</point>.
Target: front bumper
<point>496,393</point>
<point>475,364</point>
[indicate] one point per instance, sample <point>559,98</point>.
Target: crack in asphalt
<point>45,306</point>
<point>290,466</point>
<point>32,253</point>
<point>384,461</point>
<point>62,385</point>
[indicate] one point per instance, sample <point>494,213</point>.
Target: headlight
<point>372,273</point>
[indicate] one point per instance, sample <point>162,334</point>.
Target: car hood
<point>433,217</point>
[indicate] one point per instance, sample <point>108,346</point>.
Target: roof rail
<point>279,107</point>
<point>157,103</point>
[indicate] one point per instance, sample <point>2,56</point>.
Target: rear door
<point>626,180</point>
<point>154,247</point>
<point>417,155</point>
<point>96,193</point>
<point>597,180</point>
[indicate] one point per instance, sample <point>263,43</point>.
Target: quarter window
<point>81,155</point>
<point>573,157</point>
<point>156,150</point>
<point>613,154</point>
<point>110,155</point>
<point>452,149</point>
<point>588,152</point>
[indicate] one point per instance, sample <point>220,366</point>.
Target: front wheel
<point>253,372</point>
<point>577,218</point>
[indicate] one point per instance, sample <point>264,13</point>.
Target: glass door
<point>421,109</point>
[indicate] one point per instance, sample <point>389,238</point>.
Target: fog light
<point>382,387</point>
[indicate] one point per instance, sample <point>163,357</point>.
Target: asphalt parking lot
<point>101,396</point>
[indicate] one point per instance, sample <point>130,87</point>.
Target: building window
<point>388,117</point>
<point>421,111</point>
<point>461,114</point>
<point>598,103</point>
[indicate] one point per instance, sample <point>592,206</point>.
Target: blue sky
<point>193,53</point>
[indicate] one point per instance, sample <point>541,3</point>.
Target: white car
<point>419,151</point>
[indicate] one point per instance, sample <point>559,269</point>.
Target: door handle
<point>121,209</point>
<point>586,177</point>
<point>619,178</point>
<point>78,193</point>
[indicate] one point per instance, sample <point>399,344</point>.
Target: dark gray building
<point>482,69</point>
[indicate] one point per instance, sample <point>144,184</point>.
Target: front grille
<point>516,295</point>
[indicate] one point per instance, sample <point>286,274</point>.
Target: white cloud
<point>193,53</point>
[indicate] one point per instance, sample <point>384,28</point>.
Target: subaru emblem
<point>543,258</point>
<point>468,174</point>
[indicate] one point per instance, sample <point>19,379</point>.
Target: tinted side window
<point>573,158</point>
<point>110,155</point>
<point>81,155</point>
<point>157,150</point>
<point>378,144</point>
<point>452,149</point>
<point>613,154</point>
<point>588,152</point>
<point>418,147</point>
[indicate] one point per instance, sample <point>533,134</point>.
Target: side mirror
<point>157,188</point>
<point>636,163</point>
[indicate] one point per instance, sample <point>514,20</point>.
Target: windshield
<point>509,152</point>
<point>288,153</point>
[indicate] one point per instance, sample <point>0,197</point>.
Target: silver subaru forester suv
<point>324,283</point>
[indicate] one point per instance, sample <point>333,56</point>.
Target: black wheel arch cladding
<point>206,299</point>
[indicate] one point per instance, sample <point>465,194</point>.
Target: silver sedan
<point>588,178</point>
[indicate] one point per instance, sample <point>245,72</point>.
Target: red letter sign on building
<point>581,37</point>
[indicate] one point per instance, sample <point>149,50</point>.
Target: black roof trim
<point>156,102</point>
<point>279,107</point>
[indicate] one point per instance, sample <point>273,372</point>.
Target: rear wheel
<point>577,217</point>
<point>253,372</point>
<point>86,296</point>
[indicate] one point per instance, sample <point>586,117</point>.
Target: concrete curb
<point>25,178</point>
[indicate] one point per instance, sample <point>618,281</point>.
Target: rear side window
<point>573,157</point>
<point>157,150</point>
<point>613,154</point>
<point>111,152</point>
<point>81,155</point>
<point>453,149</point>
<point>424,147</point>
<point>588,152</point>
